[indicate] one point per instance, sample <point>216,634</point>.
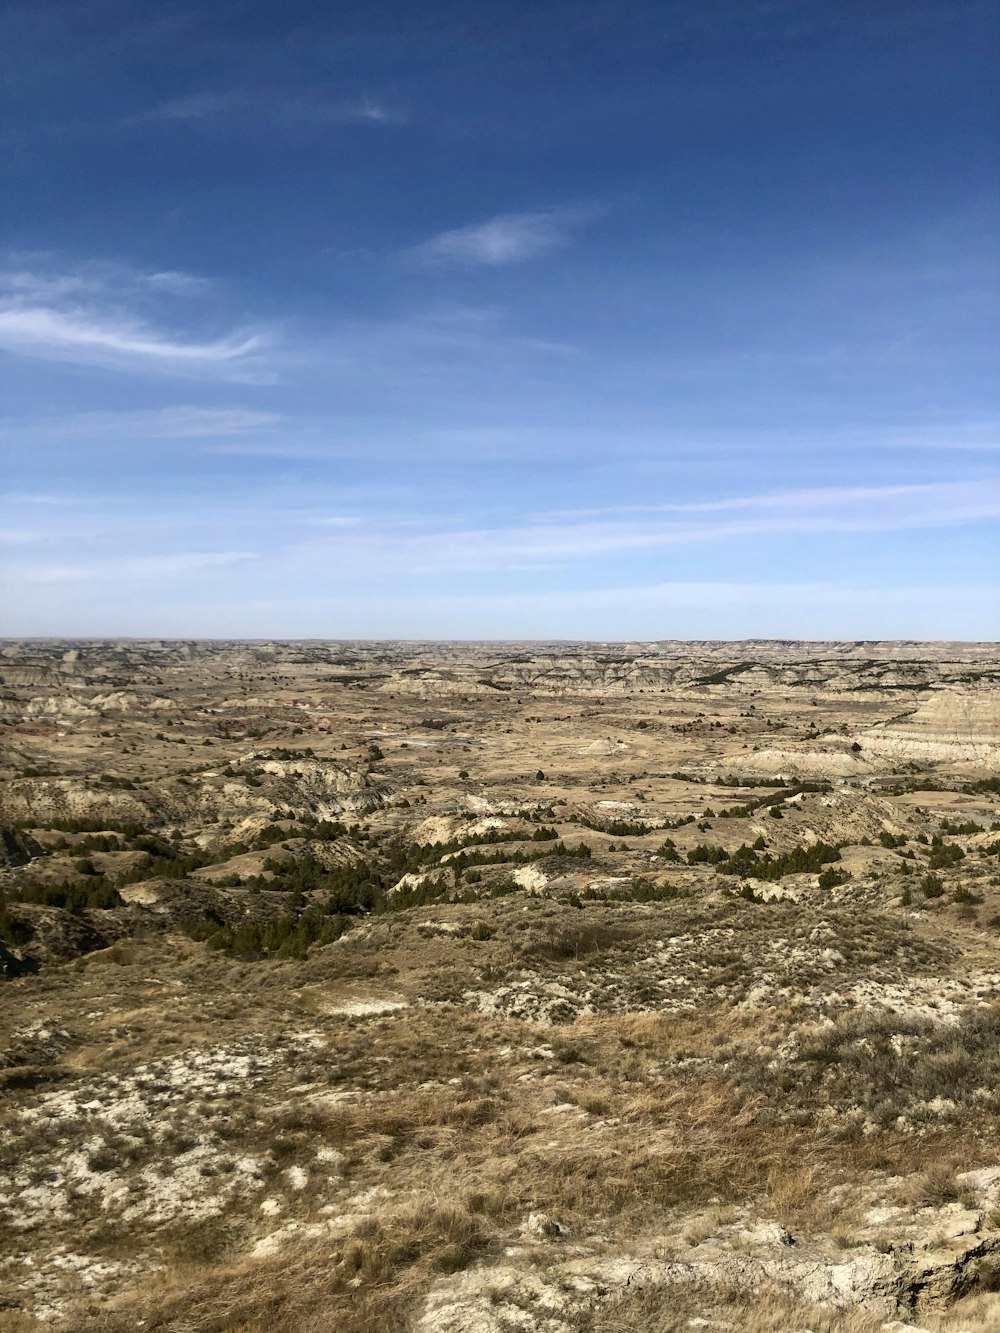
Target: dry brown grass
<point>14,1321</point>
<point>371,1280</point>
<point>935,1186</point>
<point>792,1193</point>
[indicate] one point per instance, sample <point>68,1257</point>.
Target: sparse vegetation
<point>317,1035</point>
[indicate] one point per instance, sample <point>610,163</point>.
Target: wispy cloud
<point>303,540</point>
<point>508,238</point>
<point>972,436</point>
<point>43,525</point>
<point>68,335</point>
<point>151,567</point>
<point>181,284</point>
<point>266,544</point>
<point>846,507</point>
<point>370,108</point>
<point>109,316</point>
<point>21,536</point>
<point>38,277</point>
<point>14,498</point>
<point>570,538</point>
<point>195,106</point>
<point>165,423</point>
<point>250,107</point>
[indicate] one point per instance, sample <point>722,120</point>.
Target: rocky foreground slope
<point>499,987</point>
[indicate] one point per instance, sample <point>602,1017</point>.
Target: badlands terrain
<point>499,988</point>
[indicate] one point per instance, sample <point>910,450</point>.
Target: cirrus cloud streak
<point>117,318</point>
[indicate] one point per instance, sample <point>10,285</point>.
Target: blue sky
<point>594,320</point>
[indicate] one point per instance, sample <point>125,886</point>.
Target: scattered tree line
<point>756,863</point>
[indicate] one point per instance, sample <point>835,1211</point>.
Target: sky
<point>596,320</point>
